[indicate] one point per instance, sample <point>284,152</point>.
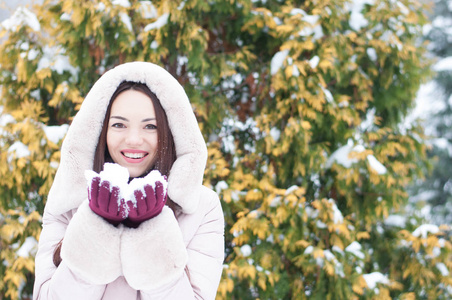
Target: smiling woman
<point>148,114</point>
<point>132,132</point>
<point>154,233</point>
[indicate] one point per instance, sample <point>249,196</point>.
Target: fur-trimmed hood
<point>69,188</point>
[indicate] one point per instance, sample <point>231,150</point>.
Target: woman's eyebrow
<point>148,119</point>
<point>119,117</point>
<point>127,120</point>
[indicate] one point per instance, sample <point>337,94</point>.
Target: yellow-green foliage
<point>301,107</point>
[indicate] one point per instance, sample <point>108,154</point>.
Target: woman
<point>139,117</point>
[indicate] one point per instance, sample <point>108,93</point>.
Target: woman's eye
<point>151,126</point>
<point>118,125</point>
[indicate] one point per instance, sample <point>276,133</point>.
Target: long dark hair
<point>166,152</point>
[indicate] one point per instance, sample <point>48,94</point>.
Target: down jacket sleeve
<point>203,234</point>
<point>206,249</point>
<point>191,245</point>
<point>52,282</point>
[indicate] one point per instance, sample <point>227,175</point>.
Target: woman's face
<point>132,132</point>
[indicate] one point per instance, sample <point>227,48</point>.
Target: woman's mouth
<point>134,156</point>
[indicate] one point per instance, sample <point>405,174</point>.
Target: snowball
<point>139,183</point>
<point>115,174</point>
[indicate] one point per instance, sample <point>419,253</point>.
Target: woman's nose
<point>134,138</point>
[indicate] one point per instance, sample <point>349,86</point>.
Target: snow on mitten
<point>147,197</point>
<point>105,192</point>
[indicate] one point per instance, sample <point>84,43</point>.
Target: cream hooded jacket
<point>172,256</point>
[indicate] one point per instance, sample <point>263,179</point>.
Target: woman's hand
<point>105,200</point>
<point>149,203</point>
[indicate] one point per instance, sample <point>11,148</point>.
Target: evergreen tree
<point>436,189</point>
<point>300,103</point>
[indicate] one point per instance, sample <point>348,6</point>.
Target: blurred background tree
<point>435,192</point>
<point>301,104</point>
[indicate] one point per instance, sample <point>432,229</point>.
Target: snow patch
<point>220,186</point>
<point>425,229</point>
<point>275,133</point>
<point>395,221</point>
<point>277,61</point>
<point>5,119</point>
<point>126,20</point>
<point>28,247</point>
<point>357,19</point>
<point>443,65</point>
<point>123,3</point>
<point>443,269</point>
<point>376,165</point>
<point>246,250</point>
<point>21,17</point>
<point>161,21</point>
<point>338,218</point>
<point>19,149</point>
<point>54,59</point>
<point>373,278</point>
<point>291,189</point>
<point>314,27</point>
<point>154,45</point>
<point>148,10</point>
<point>313,62</point>
<point>372,54</point>
<point>355,249</point>
<point>342,157</point>
<point>56,133</point>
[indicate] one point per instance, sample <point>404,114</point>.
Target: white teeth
<point>134,155</point>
